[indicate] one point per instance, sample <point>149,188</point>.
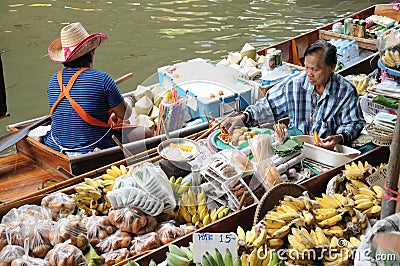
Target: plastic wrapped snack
<point>98,228</point>
<point>135,198</point>
<point>133,221</point>
<point>27,260</point>
<point>187,229</point>
<point>25,214</point>
<point>238,158</point>
<point>60,204</point>
<point>40,238</point>
<point>113,242</point>
<point>10,252</point>
<point>155,182</point>
<point>168,232</point>
<point>16,231</point>
<point>144,242</point>
<point>115,256</point>
<point>261,147</point>
<point>69,229</point>
<point>65,254</point>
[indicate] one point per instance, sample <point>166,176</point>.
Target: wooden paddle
<point>13,137</point>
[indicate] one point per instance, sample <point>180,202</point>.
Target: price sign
<point>378,178</point>
<point>207,242</point>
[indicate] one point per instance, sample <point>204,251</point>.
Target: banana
<point>178,181</point>
<point>378,190</point>
<point>237,262</point>
<point>364,205</point>
<point>204,261</point>
<point>107,177</point>
<point>240,233</point>
<point>315,238</point>
<point>322,239</point>
<point>224,213</point>
<point>174,249</point>
<point>282,232</point>
<point>307,202</point>
<point>308,236</point>
<point>228,258</point>
<point>174,259</point>
<point>201,197</point>
<point>93,204</point>
<point>368,192</point>
<point>251,235</point>
<point>116,170</point>
<point>123,169</point>
<point>218,257</point>
<point>296,244</point>
<point>331,221</point>
<point>273,223</point>
<point>359,183</point>
<point>172,180</point>
<point>211,259</point>
<point>289,216</point>
<point>308,217</point>
<point>295,202</point>
<point>275,243</point>
<point>260,239</point>
<point>112,173</point>
<point>274,260</point>
<point>329,213</point>
<point>327,202</point>
<point>213,215</point>
<point>363,196</point>
<point>334,232</point>
<point>301,237</point>
<point>253,258</point>
<point>285,209</point>
<point>334,242</point>
<point>206,220</point>
<point>342,200</point>
<point>359,201</point>
<point>350,188</point>
<point>355,242</point>
<point>375,210</point>
<point>183,188</point>
<point>151,263</point>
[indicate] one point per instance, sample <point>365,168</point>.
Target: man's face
<point>317,72</point>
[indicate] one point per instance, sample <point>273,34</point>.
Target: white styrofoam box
<point>199,78</point>
<point>341,155</point>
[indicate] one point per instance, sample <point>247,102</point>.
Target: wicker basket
<point>274,195</point>
<point>379,137</point>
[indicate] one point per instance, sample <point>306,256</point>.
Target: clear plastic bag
<point>40,238</point>
<point>144,242</point>
<point>60,204</point>
<point>135,198</point>
<point>261,147</point>
<point>168,231</point>
<point>98,228</point>
<point>69,229</point>
<point>154,181</point>
<point>115,256</point>
<point>25,214</point>
<point>132,221</point>
<point>65,254</point>
<point>27,260</point>
<point>115,241</point>
<point>10,252</point>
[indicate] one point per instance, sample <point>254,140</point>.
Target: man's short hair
<point>329,51</point>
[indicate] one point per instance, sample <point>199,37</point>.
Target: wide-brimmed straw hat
<point>73,42</point>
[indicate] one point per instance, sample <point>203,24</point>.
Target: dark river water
<point>144,35</point>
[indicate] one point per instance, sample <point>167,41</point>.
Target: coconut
<point>144,105</point>
<point>234,58</point>
<point>249,51</point>
<point>144,121</point>
<point>142,91</point>
<point>158,93</point>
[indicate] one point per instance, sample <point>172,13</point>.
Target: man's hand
<point>330,142</point>
<point>232,122</point>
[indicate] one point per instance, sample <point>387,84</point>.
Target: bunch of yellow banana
<point>113,172</point>
<point>369,201</point>
<point>391,58</point>
<point>193,210</point>
<point>91,196</point>
<point>358,170</point>
<point>257,257</point>
<point>177,187</point>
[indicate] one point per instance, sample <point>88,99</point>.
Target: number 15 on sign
<point>208,242</point>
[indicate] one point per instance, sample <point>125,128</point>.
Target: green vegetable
<point>386,101</point>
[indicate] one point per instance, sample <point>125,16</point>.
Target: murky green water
<point>143,36</point>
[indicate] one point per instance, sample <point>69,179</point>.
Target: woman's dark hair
<point>329,51</point>
<point>83,61</point>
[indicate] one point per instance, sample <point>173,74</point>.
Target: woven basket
<point>274,195</point>
<point>379,137</point>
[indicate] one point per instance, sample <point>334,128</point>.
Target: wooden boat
<point>34,163</point>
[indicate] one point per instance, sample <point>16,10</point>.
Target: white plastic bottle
<point>354,52</point>
<point>346,56</point>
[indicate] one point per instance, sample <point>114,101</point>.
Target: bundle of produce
<point>60,204</point>
<point>27,260</point>
<point>353,184</point>
<point>113,172</point>
<point>193,210</point>
<point>91,196</point>
<point>391,57</point>
<point>144,242</point>
<point>114,241</point>
<point>10,252</point>
<point>306,227</point>
<point>98,228</point>
<point>132,221</point>
<point>168,232</point>
<point>70,229</point>
<point>115,256</point>
<point>177,187</point>
<point>65,254</point>
<point>39,238</point>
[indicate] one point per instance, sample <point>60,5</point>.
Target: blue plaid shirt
<point>336,111</point>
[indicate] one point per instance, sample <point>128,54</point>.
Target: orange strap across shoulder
<point>65,93</point>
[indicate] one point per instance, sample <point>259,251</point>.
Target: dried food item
<point>10,252</point>
<point>223,168</point>
<point>238,188</point>
<point>144,242</point>
<point>115,256</point>
<point>114,241</point>
<point>98,228</point>
<point>269,173</point>
<point>27,260</point>
<point>236,157</point>
<point>60,204</point>
<point>69,229</point>
<point>168,232</point>
<point>255,185</point>
<point>132,220</point>
<point>65,254</point>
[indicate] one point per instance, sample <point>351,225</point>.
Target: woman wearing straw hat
<point>81,98</point>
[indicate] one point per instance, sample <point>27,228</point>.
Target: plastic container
<point>340,156</point>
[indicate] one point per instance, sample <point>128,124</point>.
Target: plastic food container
<point>228,185</point>
<point>341,155</point>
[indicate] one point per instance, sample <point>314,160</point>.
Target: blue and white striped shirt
<point>336,111</point>
<point>96,93</point>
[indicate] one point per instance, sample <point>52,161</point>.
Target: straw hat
<point>73,42</point>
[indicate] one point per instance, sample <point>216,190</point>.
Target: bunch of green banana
<point>113,172</point>
<point>177,187</point>
<point>217,259</point>
<point>179,256</point>
<point>91,196</point>
<point>193,210</point>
